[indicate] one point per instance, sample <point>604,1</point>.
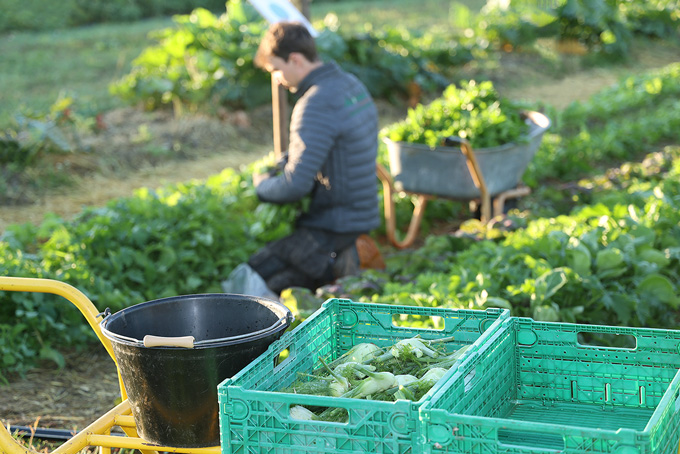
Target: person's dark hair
<point>282,39</point>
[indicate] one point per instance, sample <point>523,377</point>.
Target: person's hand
<point>281,163</point>
<point>259,178</point>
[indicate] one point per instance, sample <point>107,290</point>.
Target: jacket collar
<point>315,76</point>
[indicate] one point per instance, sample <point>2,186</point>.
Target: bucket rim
<point>281,324</point>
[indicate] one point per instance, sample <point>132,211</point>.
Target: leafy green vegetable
<point>659,287</point>
<point>407,369</point>
<point>475,112</point>
<point>205,59</point>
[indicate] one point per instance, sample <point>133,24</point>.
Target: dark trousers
<point>306,258</point>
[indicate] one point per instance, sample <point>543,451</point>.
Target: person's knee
<point>289,278</point>
<point>346,263</point>
<point>266,264</point>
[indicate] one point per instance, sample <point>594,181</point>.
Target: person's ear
<point>296,58</point>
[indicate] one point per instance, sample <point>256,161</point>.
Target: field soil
<point>138,149</point>
<point>72,397</point>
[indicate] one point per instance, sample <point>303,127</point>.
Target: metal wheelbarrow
<point>472,175</point>
<point>148,366</point>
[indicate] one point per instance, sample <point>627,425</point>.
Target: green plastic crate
<point>538,387</point>
<point>254,418</point>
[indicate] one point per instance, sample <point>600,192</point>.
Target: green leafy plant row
<point>620,123</point>
<point>628,97</point>
<point>613,261</point>
<point>209,59</point>
<point>566,158</point>
<point>604,28</point>
<point>204,58</point>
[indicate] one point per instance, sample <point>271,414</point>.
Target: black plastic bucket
<point>172,390</point>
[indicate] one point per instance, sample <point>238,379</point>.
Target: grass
<point>357,15</point>
<point>38,68</point>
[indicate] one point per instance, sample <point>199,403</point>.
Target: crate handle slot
<point>299,416</point>
<point>468,381</point>
<point>398,422</point>
<point>471,377</point>
<point>335,409</point>
<point>606,340</point>
<point>386,320</point>
<point>401,321</point>
<point>285,353</point>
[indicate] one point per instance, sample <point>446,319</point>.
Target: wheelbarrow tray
<point>443,171</point>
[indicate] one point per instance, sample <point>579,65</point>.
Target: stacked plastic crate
<point>539,387</point>
<point>255,418</point>
<point>521,387</point>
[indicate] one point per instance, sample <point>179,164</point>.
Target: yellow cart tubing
<point>73,445</point>
<point>97,434</point>
<point>75,296</point>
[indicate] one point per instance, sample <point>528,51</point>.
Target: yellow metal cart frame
<point>97,434</point>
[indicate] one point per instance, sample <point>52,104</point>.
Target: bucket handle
<point>161,341</point>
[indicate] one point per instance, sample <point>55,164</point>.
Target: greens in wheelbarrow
<point>475,112</point>
<point>407,369</point>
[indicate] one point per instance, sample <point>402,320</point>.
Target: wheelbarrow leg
<point>390,215</point>
<point>421,200</point>
<point>499,200</point>
<point>475,172</point>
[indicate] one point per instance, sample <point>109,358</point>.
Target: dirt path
<point>561,93</point>
<point>145,149</point>
<point>68,399</point>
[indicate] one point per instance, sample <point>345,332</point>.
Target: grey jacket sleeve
<point>312,132</point>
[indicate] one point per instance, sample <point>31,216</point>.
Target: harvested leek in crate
<point>260,411</point>
<point>407,370</point>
